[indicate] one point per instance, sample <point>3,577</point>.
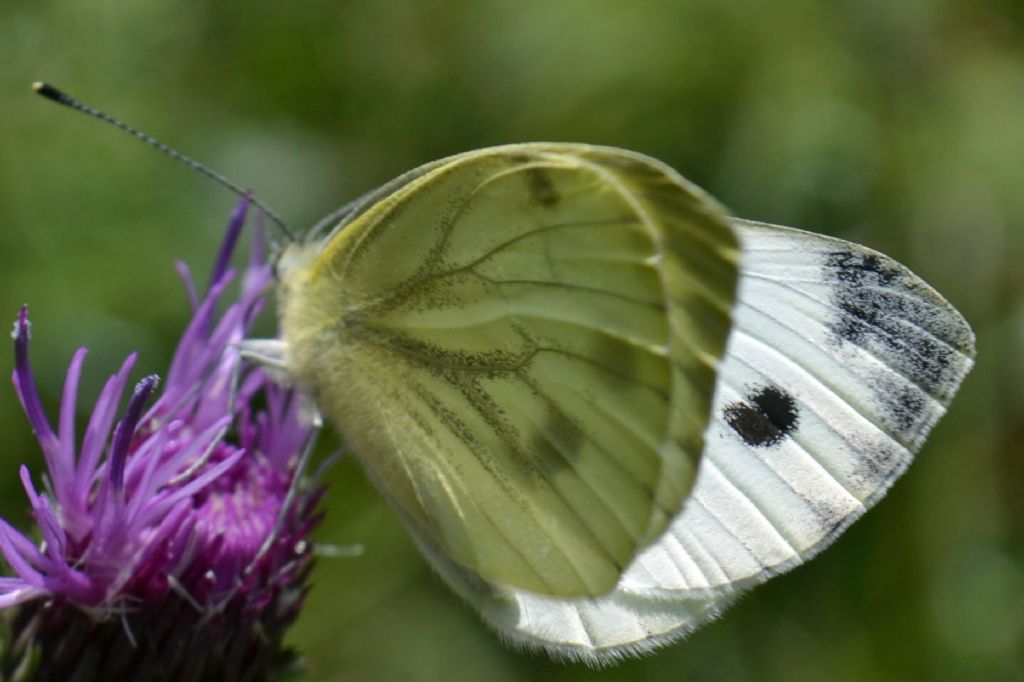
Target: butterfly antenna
<point>56,95</point>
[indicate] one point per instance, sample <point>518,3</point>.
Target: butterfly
<point>602,406</point>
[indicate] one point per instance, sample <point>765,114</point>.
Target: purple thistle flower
<point>172,543</point>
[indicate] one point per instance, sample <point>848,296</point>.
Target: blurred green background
<point>895,124</point>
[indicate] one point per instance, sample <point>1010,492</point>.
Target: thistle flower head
<point>172,542</point>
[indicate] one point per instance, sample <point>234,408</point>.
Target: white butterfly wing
<point>839,363</point>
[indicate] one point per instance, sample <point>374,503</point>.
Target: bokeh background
<point>896,124</point>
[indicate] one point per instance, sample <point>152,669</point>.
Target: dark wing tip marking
<point>857,268</point>
<point>861,280</point>
<point>887,311</point>
<point>765,418</point>
<point>883,304</point>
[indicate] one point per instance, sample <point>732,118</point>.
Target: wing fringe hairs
<point>883,332</point>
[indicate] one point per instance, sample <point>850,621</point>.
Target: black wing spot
<point>768,415</point>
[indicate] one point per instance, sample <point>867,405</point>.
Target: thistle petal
<point>179,522</point>
<point>125,430</point>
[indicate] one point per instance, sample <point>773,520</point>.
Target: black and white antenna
<point>56,95</point>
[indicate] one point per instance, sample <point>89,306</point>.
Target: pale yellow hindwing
<point>521,344</point>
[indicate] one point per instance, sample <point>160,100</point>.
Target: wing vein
<point>813,375</point>
<point>566,457</point>
<point>483,403</point>
<point>787,284</point>
<point>812,408</point>
<point>757,507</point>
<point>444,418</point>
